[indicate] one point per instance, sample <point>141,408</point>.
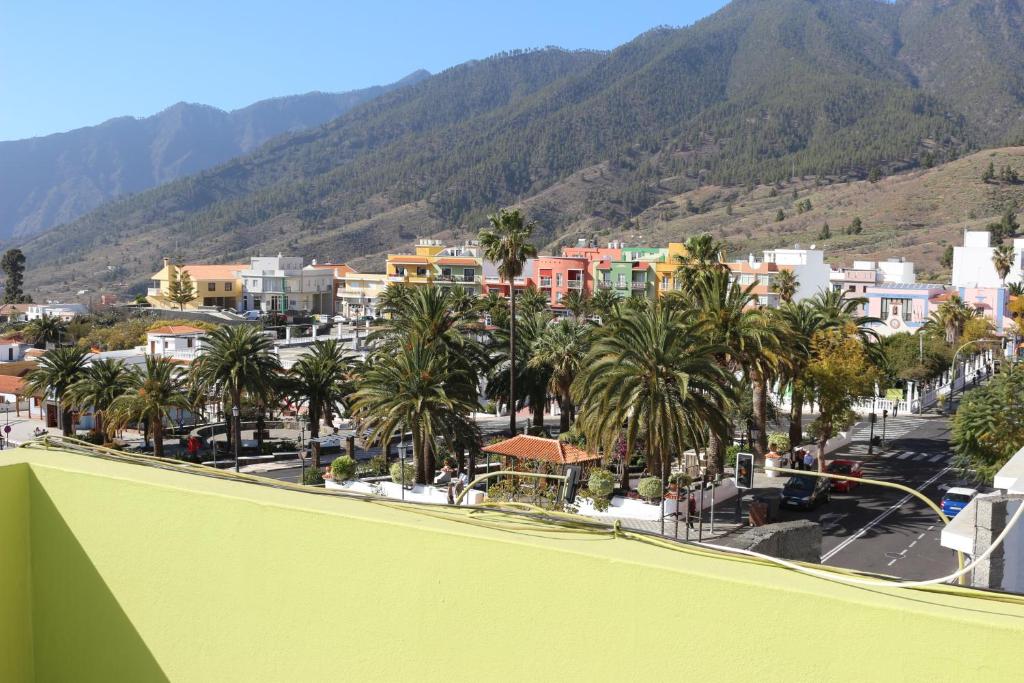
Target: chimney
<point>167,262</point>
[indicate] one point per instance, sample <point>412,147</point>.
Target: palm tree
<point>418,388</point>
<point>1015,288</point>
<point>153,389</point>
<point>652,373</point>
<point>801,322</point>
<point>950,318</point>
<point>747,337</point>
<point>605,304</point>
<point>318,379</point>
<point>507,243</point>
<point>236,361</point>
<point>785,285</point>
<point>703,254</point>
<point>57,371</point>
<point>532,300</point>
<point>1002,259</point>
<point>44,330</point>
<point>100,384</point>
<point>577,303</point>
<point>532,381</point>
<point>560,349</point>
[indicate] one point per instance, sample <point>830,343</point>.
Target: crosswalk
<point>895,429</point>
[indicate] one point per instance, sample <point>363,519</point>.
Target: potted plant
<point>650,489</point>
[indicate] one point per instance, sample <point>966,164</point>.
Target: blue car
<point>956,499</point>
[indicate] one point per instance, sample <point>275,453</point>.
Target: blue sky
<point>66,64</point>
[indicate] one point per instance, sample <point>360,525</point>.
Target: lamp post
<point>401,460</point>
<point>235,427</point>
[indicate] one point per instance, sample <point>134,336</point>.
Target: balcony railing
<point>639,285</point>
<point>460,279</point>
<point>622,285</point>
<point>575,284</point>
<point>396,278</point>
<point>604,284</point>
<point>545,283</point>
<point>153,291</point>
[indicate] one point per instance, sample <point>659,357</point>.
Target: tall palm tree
<point>419,388</point>
<point>785,285</point>
<point>746,335</point>
<point>560,349</point>
<point>153,389</point>
<point>950,318</point>
<point>703,253</point>
<point>58,369</point>
<point>605,303</point>
<point>1002,259</point>
<point>652,373</point>
<point>507,243</point>
<point>532,300</point>
<point>318,379</point>
<point>99,385</point>
<point>46,329</point>
<point>801,322</point>
<point>532,381</point>
<point>236,361</point>
<point>577,303</point>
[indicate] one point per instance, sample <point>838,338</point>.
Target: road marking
<point>922,535</point>
<point>905,456</point>
<point>940,456</point>
<point>931,527</point>
<point>881,518</point>
<point>892,562</point>
<point>912,544</point>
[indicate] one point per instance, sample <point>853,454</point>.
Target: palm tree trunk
<point>429,461</point>
<point>158,438</point>
<point>826,434</point>
<point>260,424</point>
<point>716,451</point>
<point>417,454</point>
<point>512,358</point>
<point>796,417</point>
<point>760,413</point>
<point>565,408</point>
<point>236,422</point>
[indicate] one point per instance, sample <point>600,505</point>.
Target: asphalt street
<point>887,531</point>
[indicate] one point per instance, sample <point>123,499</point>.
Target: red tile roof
<point>408,259</point>
<point>11,385</point>
<point>176,330</point>
<point>454,261</point>
<point>524,447</point>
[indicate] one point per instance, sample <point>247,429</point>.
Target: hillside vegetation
<point>760,93</point>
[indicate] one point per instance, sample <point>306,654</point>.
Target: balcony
<point>153,291</point>
<point>639,285</point>
<point>396,278</point>
<point>622,284</point>
<point>545,283</point>
<point>575,284</point>
<point>604,284</point>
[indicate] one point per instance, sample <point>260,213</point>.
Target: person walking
<point>691,510</point>
<point>809,461</point>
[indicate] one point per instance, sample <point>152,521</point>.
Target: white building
<point>972,263</point>
<point>175,341</point>
<point>808,265</point>
<point>65,312</point>
<point>13,350</point>
<point>359,294</point>
<point>280,284</point>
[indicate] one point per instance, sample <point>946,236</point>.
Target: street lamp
<point>236,427</point>
<point>401,458</point>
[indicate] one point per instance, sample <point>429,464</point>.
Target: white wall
<point>972,263</point>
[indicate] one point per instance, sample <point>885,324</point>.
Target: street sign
<point>744,470</point>
<point>7,429</point>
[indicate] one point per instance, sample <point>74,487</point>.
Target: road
<point>887,531</point>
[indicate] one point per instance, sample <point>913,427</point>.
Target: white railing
<point>152,291</point>
<point>575,284</point>
<point>639,285</point>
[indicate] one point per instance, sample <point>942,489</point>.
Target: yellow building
<point>215,285</point>
<point>664,270</point>
<point>433,263</point>
<point>359,293</point>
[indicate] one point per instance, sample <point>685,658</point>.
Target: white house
<point>13,350</point>
<point>972,263</point>
<point>65,312</point>
<point>280,284</point>
<point>807,265</point>
<point>176,341</point>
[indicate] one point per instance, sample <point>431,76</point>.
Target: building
<point>215,286</point>
<point>556,276</point>
<point>904,307</point>
<point>665,270</point>
<point>14,313</point>
<point>12,351</point>
<point>856,280</point>
<point>359,294</point>
<point>972,262</point>
<point>808,265</point>
<point>176,341</point>
<point>280,284</point>
<point>66,312</point>
<point>435,264</point>
<point>340,270</point>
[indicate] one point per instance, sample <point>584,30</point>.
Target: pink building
<point>906,307</point>
<point>556,276</point>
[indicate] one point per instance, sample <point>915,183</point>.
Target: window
<point>211,286</point>
<point>229,286</point>
<point>421,272</point>
<point>446,273</point>
<point>188,342</point>
<point>897,308</point>
<point>468,275</point>
<point>746,279</point>
<point>851,288</point>
<point>558,279</point>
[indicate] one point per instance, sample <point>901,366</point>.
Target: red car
<point>850,468</point>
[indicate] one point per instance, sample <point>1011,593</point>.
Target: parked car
<point>849,468</point>
<point>806,492</point>
<point>251,315</point>
<point>340,319</point>
<point>956,499</point>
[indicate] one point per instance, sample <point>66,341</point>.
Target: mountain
<point>756,94</point>
<point>50,180</point>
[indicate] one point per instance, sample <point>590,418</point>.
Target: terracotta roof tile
<point>176,330</point>
<point>11,385</point>
<point>398,258</point>
<point>455,261</point>
<point>214,271</point>
<point>524,447</point>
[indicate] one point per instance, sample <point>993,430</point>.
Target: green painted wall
<point>15,583</point>
<point>143,574</point>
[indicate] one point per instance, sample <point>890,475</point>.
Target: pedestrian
<point>691,510</point>
<point>895,408</point>
<point>798,459</point>
<point>809,460</point>
<point>451,493</point>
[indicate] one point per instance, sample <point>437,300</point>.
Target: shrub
<point>396,473</point>
<point>650,488</point>
<point>730,455</point>
<point>378,464</point>
<point>313,477</point>
<point>682,479</point>
<point>779,442</point>
<point>601,483</point>
<point>504,490</point>
<point>343,468</point>
<point>600,503</point>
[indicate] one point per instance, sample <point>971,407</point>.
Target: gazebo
<point>538,449</point>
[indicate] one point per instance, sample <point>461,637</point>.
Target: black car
<point>806,492</point>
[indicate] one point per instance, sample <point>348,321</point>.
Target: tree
<point>532,382</point>
<point>577,303</point>
<point>507,243</point>
<point>989,174</point>
<point>826,232</point>
<point>560,349</point>
<point>946,260</point>
<point>840,372</point>
<point>1002,260</point>
<point>874,175</point>
<point>651,375</point>
<point>950,318</point>
<point>1006,227</point>
<point>180,289</point>
<point>58,369</point>
<point>856,226</point>
<point>785,284</point>
<point>532,300</point>
<point>46,329</point>
<point>604,303</point>
<point>153,389</point>
<point>989,425</point>
<point>100,383</point>
<point>13,264</point>
<point>236,361</point>
<point>319,380</point>
<point>780,216</point>
<point>701,254</point>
